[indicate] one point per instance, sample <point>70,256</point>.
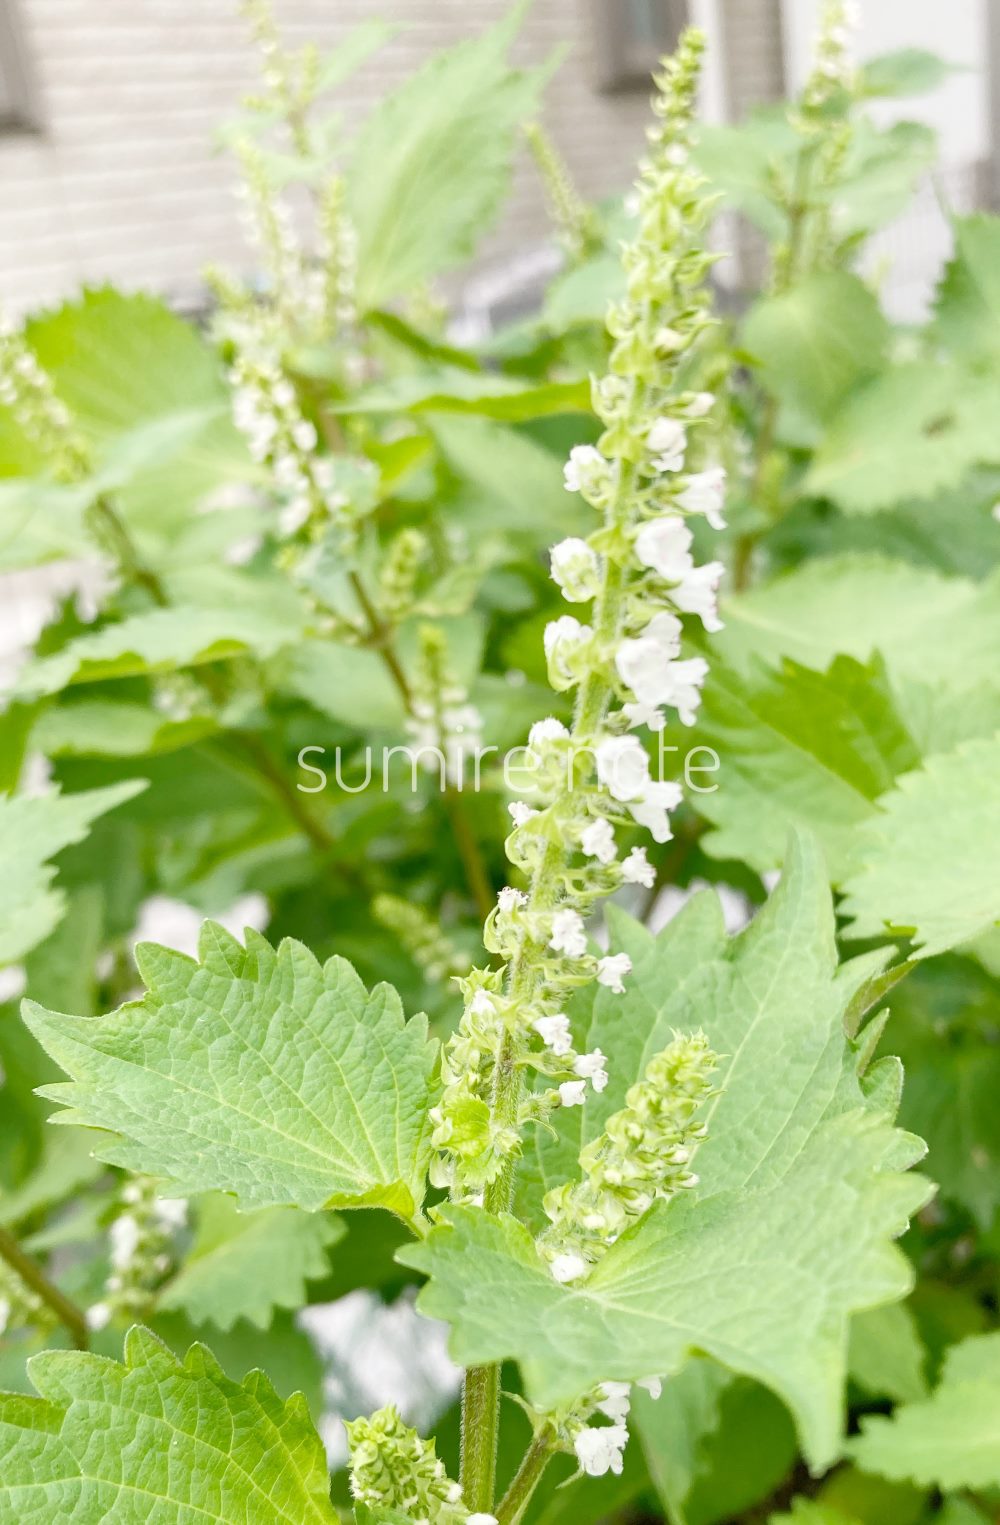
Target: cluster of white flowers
<point>20,1307</point>
<point>833,66</point>
<point>267,412</point>
<point>643,1155</point>
<point>141,1236</point>
<point>297,284</point>
<point>444,727</point>
<point>624,666</point>
<point>823,119</point>
<point>392,1467</point>
<point>338,259</point>
<point>600,1448</point>
<point>27,390</point>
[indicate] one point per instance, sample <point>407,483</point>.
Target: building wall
<point>122,181</point>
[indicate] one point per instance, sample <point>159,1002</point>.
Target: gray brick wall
<point>123,182</point>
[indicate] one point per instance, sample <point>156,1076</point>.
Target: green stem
<point>125,553</point>
<point>31,1273</point>
<point>473,864</point>
<point>591,707</point>
<point>526,1480</point>
<point>480,1403</point>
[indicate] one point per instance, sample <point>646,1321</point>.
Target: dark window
<point>17,103</point>
<point>631,36</point>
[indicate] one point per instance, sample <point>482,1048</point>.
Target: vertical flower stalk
<point>592,784</point>
<point>576,223</point>
<point>823,119</point>
<point>141,1251</point>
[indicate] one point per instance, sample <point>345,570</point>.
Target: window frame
<point>618,64</point>
<point>18,100</point>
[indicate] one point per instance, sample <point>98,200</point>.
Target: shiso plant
<point>574,714</point>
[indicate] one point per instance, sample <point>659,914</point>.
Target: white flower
<point>294,514</point>
<point>611,971</point>
<point>665,629</point>
<point>652,810</point>
<point>171,1212</point>
<point>586,471</point>
<point>511,900</point>
<point>704,492</point>
<point>520,813</point>
<point>573,1093</point>
<point>124,1237</point>
<point>637,869</point>
<point>667,440</point>
<point>600,1450</point>
<point>565,638</point>
<point>640,665</point>
<point>652,1385</point>
<point>682,687</point>
<point>568,1267</point>
<point>698,594</point>
<point>549,729</point>
<point>568,936</point>
<point>598,841</point>
<point>304,435</point>
<point>555,1033</point>
<point>664,544</point>
<point>98,1315</point>
<point>592,1067</point>
<point>622,767</point>
<point>699,406</point>
<point>576,569</point>
<point>482,1004</point>
<point>615,1402</point>
<point>481,1519</point>
<point>644,714</point>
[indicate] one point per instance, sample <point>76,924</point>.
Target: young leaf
<point>952,1440</point>
<point>32,831</point>
<point>927,865</point>
<point>788,1233</point>
<point>157,1438</point>
<point>244,1265</point>
<point>258,1072</point>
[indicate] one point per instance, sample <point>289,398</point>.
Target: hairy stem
<point>66,1311</point>
<point>480,1401</point>
<point>797,210</point>
<point>526,1480</point>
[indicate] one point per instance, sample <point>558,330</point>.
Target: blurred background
<point>109,113</point>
